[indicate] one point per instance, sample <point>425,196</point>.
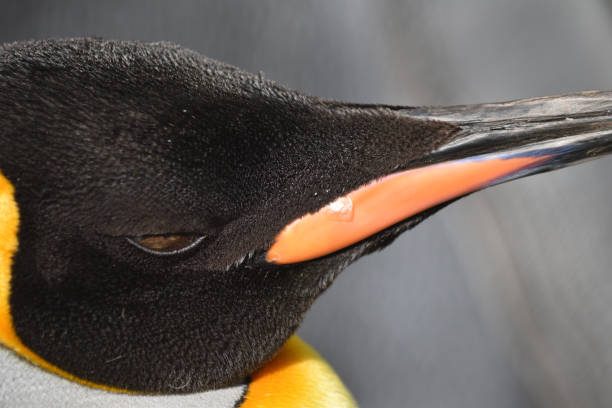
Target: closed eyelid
<point>164,245</point>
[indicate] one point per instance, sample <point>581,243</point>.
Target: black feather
<point>106,139</point>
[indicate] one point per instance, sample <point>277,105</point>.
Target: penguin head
<point>161,197</point>
<point>150,182</point>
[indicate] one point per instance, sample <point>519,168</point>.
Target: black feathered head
<point>151,182</point>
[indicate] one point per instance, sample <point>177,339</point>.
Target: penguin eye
<point>166,244</point>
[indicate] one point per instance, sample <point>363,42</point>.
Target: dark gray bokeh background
<point>501,300</point>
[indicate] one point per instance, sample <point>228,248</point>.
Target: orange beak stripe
<point>382,203</point>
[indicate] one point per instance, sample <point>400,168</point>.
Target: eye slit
<point>166,244</point>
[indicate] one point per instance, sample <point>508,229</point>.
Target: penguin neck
<point>297,376</point>
<point>9,227</point>
<point>9,224</point>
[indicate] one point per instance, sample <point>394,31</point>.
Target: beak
<point>495,143</point>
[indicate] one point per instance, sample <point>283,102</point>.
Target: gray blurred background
<point>502,299</point>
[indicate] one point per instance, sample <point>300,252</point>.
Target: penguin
<point>166,220</point>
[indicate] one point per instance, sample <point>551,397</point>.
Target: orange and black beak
<point>495,143</point>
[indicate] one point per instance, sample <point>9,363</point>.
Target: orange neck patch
<point>297,377</point>
<point>9,224</point>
